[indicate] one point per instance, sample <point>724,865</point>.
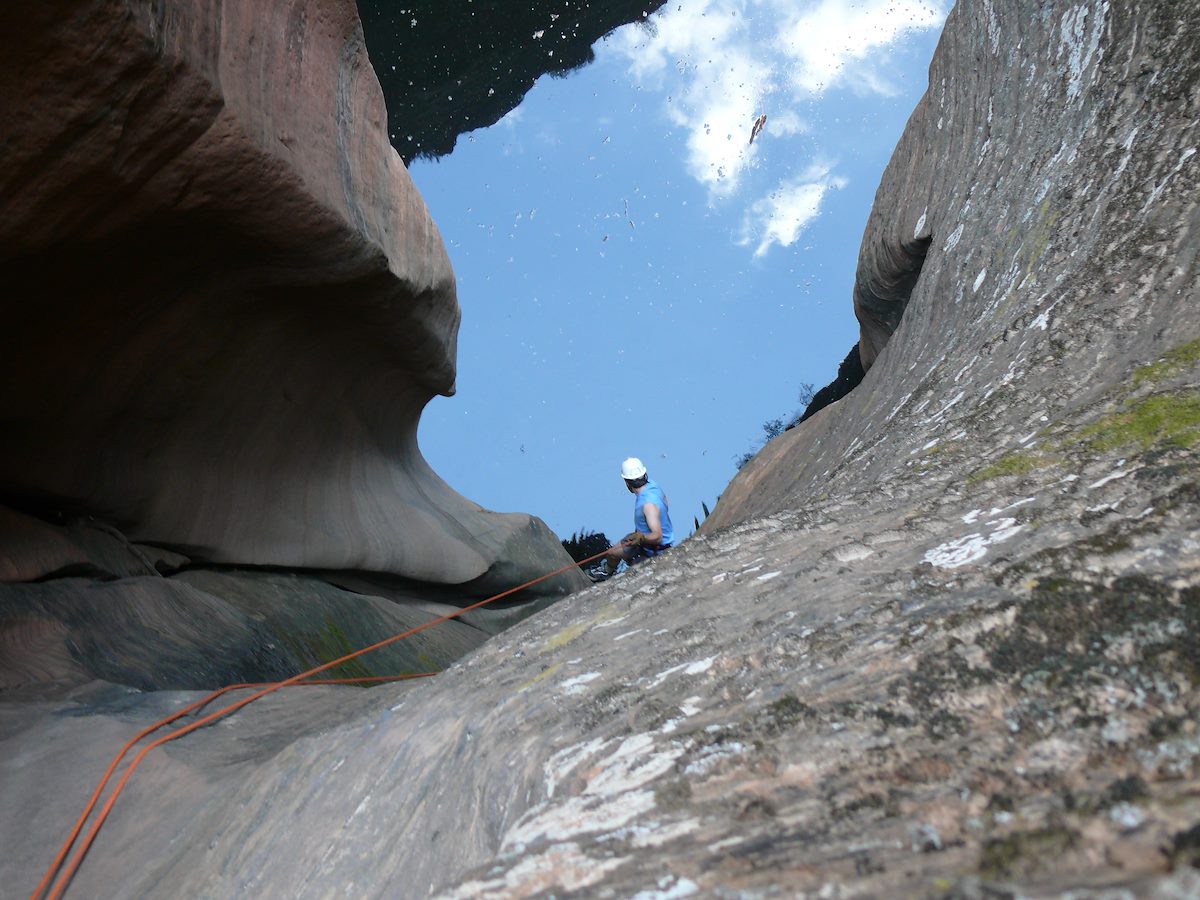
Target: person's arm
<point>653,537</point>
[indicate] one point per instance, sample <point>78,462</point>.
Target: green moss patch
<point>1170,419</point>
<point>1066,625</point>
<point>783,715</point>
<point>1026,852</point>
<point>325,645</point>
<point>1165,419</point>
<point>1173,363</point>
<point>1019,462</point>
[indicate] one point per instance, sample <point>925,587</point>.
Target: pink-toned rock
<point>225,303</point>
<point>31,549</point>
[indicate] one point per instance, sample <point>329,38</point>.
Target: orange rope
<point>179,714</point>
<point>267,688</point>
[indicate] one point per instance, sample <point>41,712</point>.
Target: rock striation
<point>225,303</point>
<point>1031,244</point>
<point>937,641</point>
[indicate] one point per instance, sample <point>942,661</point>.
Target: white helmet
<point>632,469</point>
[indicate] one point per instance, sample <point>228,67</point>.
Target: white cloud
<point>781,217</point>
<point>822,41</point>
<point>703,54</point>
<point>724,62</point>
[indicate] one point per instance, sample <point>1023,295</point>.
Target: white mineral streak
<point>852,553</point>
<point>665,674</point>
<point>562,866</point>
<point>972,547</point>
<point>899,406</point>
<point>656,835</point>
<point>611,798</point>
<point>360,808</point>
<point>993,27</point>
<point>1120,473</point>
<point>768,576</point>
<point>1158,188</point>
<point>694,668</point>
<point>691,706</point>
<point>562,763</point>
<point>684,887</point>
<point>952,241</point>
<point>575,685</point>
<point>712,755</point>
<point>633,764</point>
<point>575,816</point>
<point>1081,44</point>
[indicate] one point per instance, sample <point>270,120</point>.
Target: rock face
<point>963,666</point>
<point>1035,230</point>
<point>451,66</point>
<point>225,303</point>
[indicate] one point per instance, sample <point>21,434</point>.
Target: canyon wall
<point>939,640</point>
<point>450,66</point>
<point>1031,243</point>
<point>225,303</point>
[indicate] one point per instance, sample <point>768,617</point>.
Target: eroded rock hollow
<point>225,307</point>
<point>939,640</point>
<point>227,304</point>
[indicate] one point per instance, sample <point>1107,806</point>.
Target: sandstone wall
<point>943,645</point>
<point>225,303</point>
<point>1036,230</point>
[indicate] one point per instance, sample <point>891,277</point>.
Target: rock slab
<point>938,641</point>
<point>225,303</point>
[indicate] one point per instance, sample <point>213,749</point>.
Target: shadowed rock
<point>225,303</point>
<point>451,66</point>
<point>849,376</point>
<point>938,641</point>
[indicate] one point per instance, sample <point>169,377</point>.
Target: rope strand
<point>265,688</point>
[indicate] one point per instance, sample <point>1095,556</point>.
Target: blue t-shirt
<point>652,493</point>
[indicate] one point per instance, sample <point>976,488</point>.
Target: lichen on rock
<point>870,673</point>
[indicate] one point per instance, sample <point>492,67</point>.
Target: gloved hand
<point>633,539</point>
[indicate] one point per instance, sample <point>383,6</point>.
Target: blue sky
<point>636,278</point>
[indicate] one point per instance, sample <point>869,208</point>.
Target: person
<point>652,532</point>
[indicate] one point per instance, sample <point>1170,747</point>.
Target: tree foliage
<point>584,544</point>
<point>773,428</point>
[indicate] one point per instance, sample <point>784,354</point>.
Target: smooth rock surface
<point>938,641</point>
<point>225,303</point>
<point>204,629</point>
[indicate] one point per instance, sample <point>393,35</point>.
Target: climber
<point>653,533</point>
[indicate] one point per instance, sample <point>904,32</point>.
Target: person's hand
<point>633,539</point>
